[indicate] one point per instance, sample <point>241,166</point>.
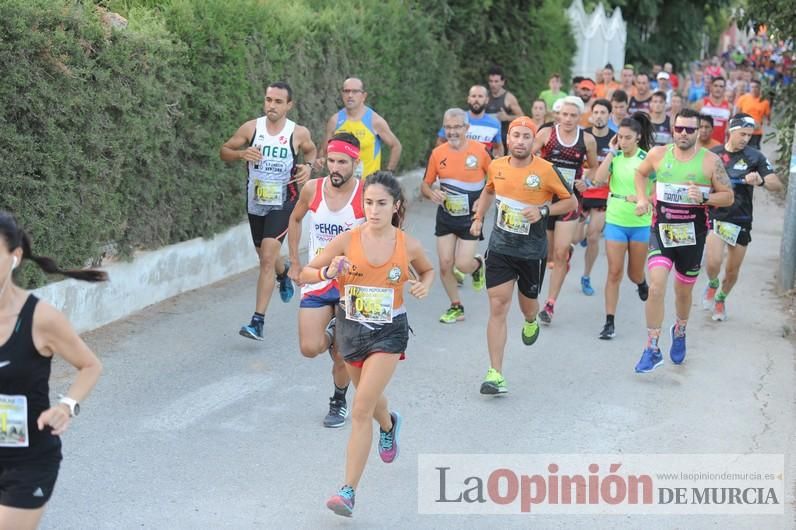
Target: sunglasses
<point>688,130</point>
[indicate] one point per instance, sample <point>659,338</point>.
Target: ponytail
<point>640,123</point>
<point>15,237</point>
<point>393,187</point>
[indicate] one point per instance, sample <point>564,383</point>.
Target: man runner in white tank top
<point>270,145</point>
<point>334,205</point>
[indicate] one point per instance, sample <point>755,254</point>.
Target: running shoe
<point>493,383</point>
<point>546,314</point>
<point>254,330</point>
<point>343,502</point>
<point>479,276</point>
<point>709,297</point>
<point>285,284</point>
<point>650,360</point>
<point>608,331</point>
<point>338,412</point>
<point>719,311</point>
<point>388,441</point>
<point>530,332</point>
<point>677,351</point>
<point>643,291</point>
<point>584,243</point>
<point>585,286</point>
<point>454,314</point>
<point>459,275</point>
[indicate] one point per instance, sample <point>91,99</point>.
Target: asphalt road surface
<point>193,426</point>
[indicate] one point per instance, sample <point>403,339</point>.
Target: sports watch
<point>74,406</point>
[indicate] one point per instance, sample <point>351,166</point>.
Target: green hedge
<point>112,136</point>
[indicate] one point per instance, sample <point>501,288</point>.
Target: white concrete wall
<point>154,276</point>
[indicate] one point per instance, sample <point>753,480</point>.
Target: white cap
<point>663,75</point>
<point>557,105</point>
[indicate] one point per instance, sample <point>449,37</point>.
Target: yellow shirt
<point>369,141</point>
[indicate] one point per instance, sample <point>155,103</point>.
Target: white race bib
<point>677,193</point>
<point>13,421</point>
<point>677,234</point>
<point>568,174</point>
<point>728,232</point>
<point>369,304</point>
<point>457,204</point>
<point>511,220</point>
<point>268,192</point>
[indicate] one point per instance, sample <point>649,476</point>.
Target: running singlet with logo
<point>326,224</point>
<point>461,177</point>
<point>269,187</point>
<point>662,132</point>
<point>374,295</point>
<point>738,165</point>
<point>696,92</point>
<point>637,105</point>
<point>568,159</point>
<point>603,147</point>
<point>485,130</point>
<point>621,211</point>
<point>24,395</point>
<point>369,141</point>
<point>678,219</point>
<point>516,189</point>
<point>720,114</point>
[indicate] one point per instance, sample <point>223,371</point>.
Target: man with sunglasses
<point>688,180</point>
<point>732,226</point>
<point>370,129</point>
<point>717,107</point>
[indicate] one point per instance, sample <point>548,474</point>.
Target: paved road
<point>193,426</point>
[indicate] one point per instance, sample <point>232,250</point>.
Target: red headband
<point>339,146</point>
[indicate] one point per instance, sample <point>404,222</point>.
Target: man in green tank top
<point>688,179</point>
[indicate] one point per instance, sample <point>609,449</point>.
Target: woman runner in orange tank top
<point>372,263</point>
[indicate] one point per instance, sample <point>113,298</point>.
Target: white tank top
<point>326,224</point>
<point>267,187</point>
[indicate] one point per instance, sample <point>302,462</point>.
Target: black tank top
<point>568,159</point>
<point>25,373</point>
<point>496,104</point>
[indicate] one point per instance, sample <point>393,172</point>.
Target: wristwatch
<point>762,181</point>
<point>544,211</point>
<point>74,406</point>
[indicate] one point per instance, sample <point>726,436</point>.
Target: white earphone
<point>13,262</point>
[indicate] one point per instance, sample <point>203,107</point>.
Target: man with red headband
<point>270,145</point>
<point>334,205</point>
<point>524,186</point>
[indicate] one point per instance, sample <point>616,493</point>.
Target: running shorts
<point>744,236</point>
<point>461,229</point>
<point>529,273</point>
<point>594,204</point>
<point>357,341</point>
<point>686,260</point>
<point>272,225</point>
<point>574,215</point>
<point>627,234</point>
<point>328,298</point>
<point>27,485</point>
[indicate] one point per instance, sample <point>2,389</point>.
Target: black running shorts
<point>529,273</point>
<point>27,485</point>
<point>272,225</point>
<point>356,340</point>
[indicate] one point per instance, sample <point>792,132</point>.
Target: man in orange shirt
<point>606,83</point>
<point>705,138</point>
<point>758,107</point>
<point>524,186</point>
<point>460,166</point>
<point>586,93</point>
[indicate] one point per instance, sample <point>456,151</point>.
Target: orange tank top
<point>366,288</point>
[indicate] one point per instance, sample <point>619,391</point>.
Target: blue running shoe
<point>343,502</point>
<point>585,286</point>
<point>650,360</point>
<point>285,284</point>
<point>677,351</point>
<point>253,330</point>
<point>584,243</point>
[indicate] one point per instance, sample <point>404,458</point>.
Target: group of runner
<point>590,170</point>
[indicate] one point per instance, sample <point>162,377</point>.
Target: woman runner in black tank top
<point>30,333</point>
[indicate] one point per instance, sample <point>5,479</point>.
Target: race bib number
<point>13,421</point>
<point>511,220</point>
<point>677,234</point>
<point>457,204</point>
<point>677,193</point>
<point>728,232</point>
<point>268,192</point>
<point>369,304</point>
<point>568,174</point>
